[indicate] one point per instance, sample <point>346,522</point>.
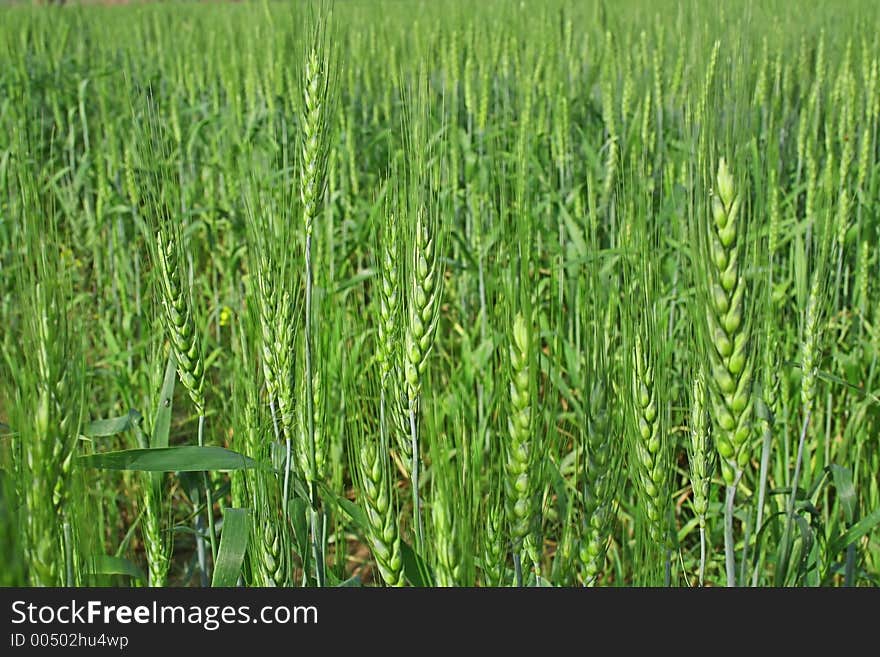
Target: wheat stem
<point>414,473</point>
<point>209,496</point>
<point>729,546</point>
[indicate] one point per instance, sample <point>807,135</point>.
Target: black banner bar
<point>134,621</point>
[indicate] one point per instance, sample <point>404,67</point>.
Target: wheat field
<point>380,293</point>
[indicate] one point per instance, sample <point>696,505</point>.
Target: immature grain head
<point>519,483</point>
<point>179,321</point>
<point>448,566</point>
<point>49,406</point>
<point>650,451</point>
<point>810,345</point>
<point>266,302</point>
<point>278,339</point>
<point>389,350</point>
<point>316,125</point>
<point>156,544</point>
<point>304,451</point>
<point>494,557</point>
<point>425,285</point>
<point>700,450</point>
<point>383,534</point>
<point>730,359</point>
<point>271,564</point>
<point>601,471</point>
<point>389,300</point>
<point>269,551</point>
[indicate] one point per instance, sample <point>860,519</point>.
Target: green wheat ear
<point>700,459</point>
<point>389,300</point>
<point>317,106</point>
<point>383,534</point>
<point>389,349</point>
<point>730,358</point>
<point>601,472</point>
<point>271,541</point>
<point>519,482</point>
<point>700,463</point>
<point>179,320</point>
<point>424,305</point>
<point>303,451</point>
<point>494,551</point>
<point>650,448</point>
<point>371,464</point>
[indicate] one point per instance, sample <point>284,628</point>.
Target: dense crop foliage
<point>450,293</point>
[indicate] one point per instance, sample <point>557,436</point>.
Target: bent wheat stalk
<point>181,328</point>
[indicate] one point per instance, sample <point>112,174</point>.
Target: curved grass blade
<point>112,426</point>
<point>105,564</point>
<point>233,545</point>
<point>162,419</point>
<point>846,491</point>
<point>414,567</point>
<point>854,533</point>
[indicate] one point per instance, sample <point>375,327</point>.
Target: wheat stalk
<point>519,483</point>
<point>49,440</point>
<point>317,120</point>
<point>423,306</point>
<point>730,363</point>
<point>181,329</point>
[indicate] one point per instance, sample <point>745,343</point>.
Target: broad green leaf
<point>355,281</point>
<point>854,533</point>
<point>803,546</point>
<point>162,419</point>
<point>298,514</point>
<point>170,459</point>
<point>352,582</point>
<point>576,235</point>
<point>233,545</point>
<point>351,509</point>
<point>355,512</point>
<point>846,491</point>
<point>558,483</point>
<point>104,564</point>
<point>482,354</point>
<point>466,247</point>
<point>687,528</point>
<point>414,567</point>
<point>112,426</point>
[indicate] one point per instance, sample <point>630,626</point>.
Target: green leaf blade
<point>188,458</point>
<point>233,545</point>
